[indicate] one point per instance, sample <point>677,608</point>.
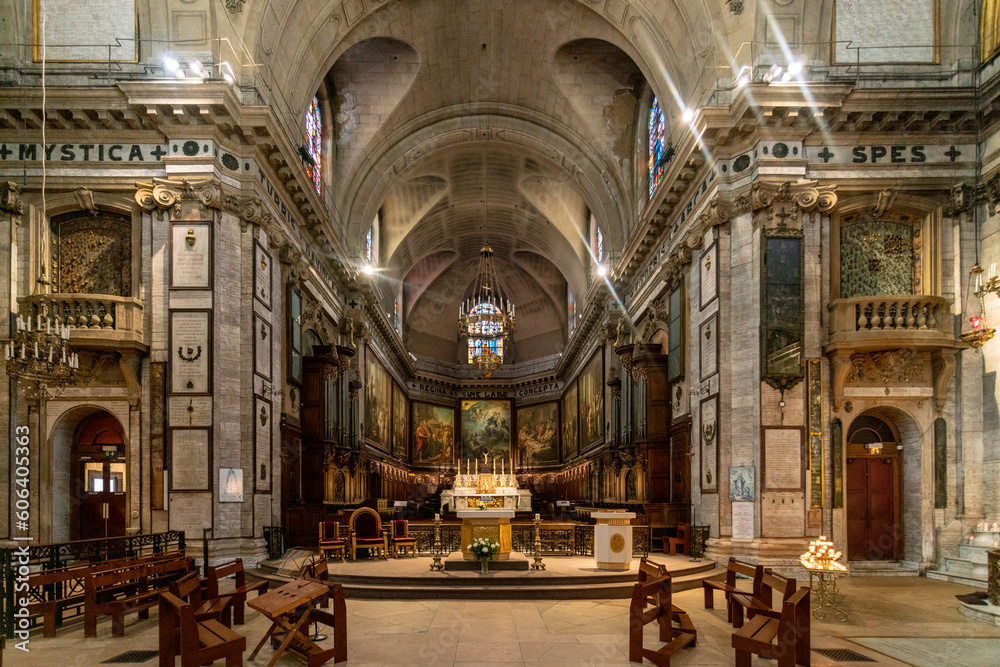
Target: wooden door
<point>872,508</point>
<point>101,498</point>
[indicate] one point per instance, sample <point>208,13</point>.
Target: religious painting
<point>400,411</point>
<point>378,403</point>
<point>538,433</point>
<point>571,443</point>
<point>486,427</point>
<point>741,483</point>
<point>230,485</point>
<point>592,401</point>
<point>433,433</point>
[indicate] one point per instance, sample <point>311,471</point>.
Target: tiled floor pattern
<point>897,620</point>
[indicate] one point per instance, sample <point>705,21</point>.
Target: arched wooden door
<point>99,480</point>
<point>874,485</point>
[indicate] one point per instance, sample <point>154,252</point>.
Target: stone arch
<point>55,477</point>
<point>916,479</point>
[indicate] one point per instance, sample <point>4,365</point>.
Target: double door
<point>101,498</point>
<point>873,508</point>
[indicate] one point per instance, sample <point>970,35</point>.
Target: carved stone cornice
<point>716,214</point>
<point>10,198</point>
<point>777,207</point>
<point>991,190</point>
<point>183,198</point>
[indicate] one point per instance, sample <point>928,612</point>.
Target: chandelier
<point>486,316</point>
<point>39,352</point>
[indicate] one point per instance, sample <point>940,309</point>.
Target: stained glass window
<point>370,246</point>
<point>314,136</point>
<point>600,246</point>
<point>657,144</point>
<point>485,326</point>
<point>395,314</point>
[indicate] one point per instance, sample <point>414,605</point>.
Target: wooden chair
<point>366,533</point>
<point>330,540</point>
<point>189,589</point>
<point>728,587</point>
<point>239,594</point>
<point>318,571</point>
<point>197,643</point>
<point>780,636</point>
<point>682,540</point>
<point>676,628</point>
<point>400,538</point>
<point>762,597</point>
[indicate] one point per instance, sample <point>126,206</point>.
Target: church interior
<point>617,288</point>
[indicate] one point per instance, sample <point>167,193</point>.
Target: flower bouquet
<point>483,550</point>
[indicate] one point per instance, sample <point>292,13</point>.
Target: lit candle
<point>538,517</point>
<point>437,517</point>
<point>48,326</point>
<point>36,349</point>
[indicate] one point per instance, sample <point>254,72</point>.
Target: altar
<point>491,524</point>
<point>491,490</point>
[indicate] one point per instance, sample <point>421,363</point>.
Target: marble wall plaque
<point>709,275</point>
<point>190,352</point>
<point>743,521</point>
<point>189,411</point>
<point>262,344</point>
<point>782,458</point>
<point>78,32</point>
<point>263,428</point>
<point>262,275</point>
<point>782,514</point>
<point>904,31</point>
<point>191,255</point>
<point>708,342</point>
<point>191,512</point>
<point>189,459</point>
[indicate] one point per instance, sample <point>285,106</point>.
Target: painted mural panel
<point>538,433</point>
<point>400,413</point>
<point>592,401</point>
<point>433,433</point>
<point>571,441</point>
<point>486,427</point>
<point>378,403</point>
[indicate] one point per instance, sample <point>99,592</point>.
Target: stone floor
<point>892,620</point>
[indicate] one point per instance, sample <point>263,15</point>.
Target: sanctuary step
<point>565,578</point>
<point>456,563</point>
<point>881,568</point>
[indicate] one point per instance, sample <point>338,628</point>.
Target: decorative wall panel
<point>877,257</point>
<point>92,254</point>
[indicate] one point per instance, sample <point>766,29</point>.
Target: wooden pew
<point>780,636</point>
<point>762,597</point>
<point>189,589</point>
<point>126,590</point>
<point>234,568</point>
<point>197,643</point>
<point>676,628</point>
<point>682,540</point>
<point>53,592</point>
<point>728,586</point>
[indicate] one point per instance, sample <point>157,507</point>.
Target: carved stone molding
<point>884,203</point>
<point>901,366</point>
<point>991,190</point>
<point>10,198</point>
<point>715,215</point>
<point>130,366</point>
<point>778,206</point>
<point>960,199</point>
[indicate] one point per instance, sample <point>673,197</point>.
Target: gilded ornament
<point>617,543</point>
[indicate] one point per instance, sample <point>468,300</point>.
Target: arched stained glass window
<point>485,326</point>
<point>370,245</point>
<point>657,144</point>
<point>600,246</point>
<point>314,135</point>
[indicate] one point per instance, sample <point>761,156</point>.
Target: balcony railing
<point>905,319</point>
<point>95,320</point>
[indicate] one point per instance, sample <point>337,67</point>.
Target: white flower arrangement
<point>483,549</point>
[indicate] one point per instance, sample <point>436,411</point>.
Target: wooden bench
<point>762,597</point>
<point>234,569</point>
<point>676,628</point>
<point>189,589</point>
<point>127,590</point>
<point>780,636</point>
<point>735,567</point>
<point>197,643</point>
<point>53,592</point>
<point>682,540</point>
